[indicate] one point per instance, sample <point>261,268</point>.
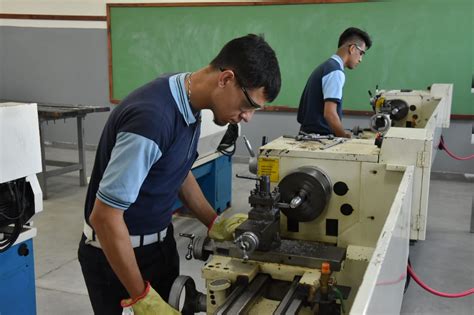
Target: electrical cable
<point>6,244</point>
<point>8,205</point>
<point>408,278</point>
<point>18,224</point>
<point>433,291</point>
<point>227,145</point>
<point>442,146</point>
<point>227,150</point>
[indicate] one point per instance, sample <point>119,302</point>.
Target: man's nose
<point>247,116</point>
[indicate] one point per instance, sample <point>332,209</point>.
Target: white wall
<point>71,7</point>
<point>77,7</point>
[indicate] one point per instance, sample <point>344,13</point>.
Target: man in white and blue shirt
<point>320,109</point>
<point>143,163</point>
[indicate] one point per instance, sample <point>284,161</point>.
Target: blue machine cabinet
<point>17,280</point>
<point>215,180</point>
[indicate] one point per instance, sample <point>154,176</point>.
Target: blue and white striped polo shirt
<point>147,148</point>
<point>324,84</point>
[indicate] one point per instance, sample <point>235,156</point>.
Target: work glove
<point>149,303</point>
<point>222,229</point>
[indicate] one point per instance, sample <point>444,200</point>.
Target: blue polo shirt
<point>324,84</point>
<point>146,150</point>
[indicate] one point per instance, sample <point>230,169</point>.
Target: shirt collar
<point>178,90</point>
<point>339,60</point>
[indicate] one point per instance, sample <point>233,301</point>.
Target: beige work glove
<point>222,229</point>
<point>149,303</point>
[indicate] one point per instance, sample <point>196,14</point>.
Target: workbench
<point>48,112</point>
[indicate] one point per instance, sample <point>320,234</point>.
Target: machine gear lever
<point>253,164</point>
<point>247,242</point>
<point>189,254</point>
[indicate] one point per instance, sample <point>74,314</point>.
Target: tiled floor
<point>445,260</point>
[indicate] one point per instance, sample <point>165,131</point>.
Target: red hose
<point>438,293</point>
<point>442,146</point>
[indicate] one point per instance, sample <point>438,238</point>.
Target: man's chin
<point>219,123</point>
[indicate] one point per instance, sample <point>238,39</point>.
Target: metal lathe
<point>330,221</point>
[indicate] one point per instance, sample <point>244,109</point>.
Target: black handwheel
<point>194,301</point>
<point>199,251</point>
<point>316,187</point>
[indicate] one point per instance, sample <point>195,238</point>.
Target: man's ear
<point>225,77</point>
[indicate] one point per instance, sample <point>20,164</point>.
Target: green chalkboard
<point>416,43</point>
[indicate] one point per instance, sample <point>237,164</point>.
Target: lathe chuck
<point>312,186</point>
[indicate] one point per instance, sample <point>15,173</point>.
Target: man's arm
<point>193,198</point>
<point>114,239</point>
<point>331,116</point>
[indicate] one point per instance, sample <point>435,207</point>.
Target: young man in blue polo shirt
<point>143,163</point>
<point>320,109</point>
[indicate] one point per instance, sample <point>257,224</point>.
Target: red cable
<point>451,154</point>
<point>432,291</point>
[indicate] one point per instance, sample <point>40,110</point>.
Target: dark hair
<point>354,33</point>
<point>254,63</point>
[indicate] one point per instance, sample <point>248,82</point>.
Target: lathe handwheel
<point>194,301</point>
<point>198,248</point>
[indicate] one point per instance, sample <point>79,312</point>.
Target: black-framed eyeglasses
<point>362,52</point>
<point>252,103</point>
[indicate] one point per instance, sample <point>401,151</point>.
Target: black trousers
<point>158,263</point>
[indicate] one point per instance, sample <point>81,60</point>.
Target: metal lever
<point>189,254</point>
<point>247,177</point>
<point>303,136</point>
<point>253,164</point>
<point>248,146</point>
<point>334,143</point>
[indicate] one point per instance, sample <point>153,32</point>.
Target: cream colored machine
<point>413,139</point>
<point>330,221</point>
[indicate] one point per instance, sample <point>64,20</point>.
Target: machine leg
<point>81,151</point>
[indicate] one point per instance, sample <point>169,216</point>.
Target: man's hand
<point>149,303</point>
<point>222,229</point>
<point>333,120</point>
